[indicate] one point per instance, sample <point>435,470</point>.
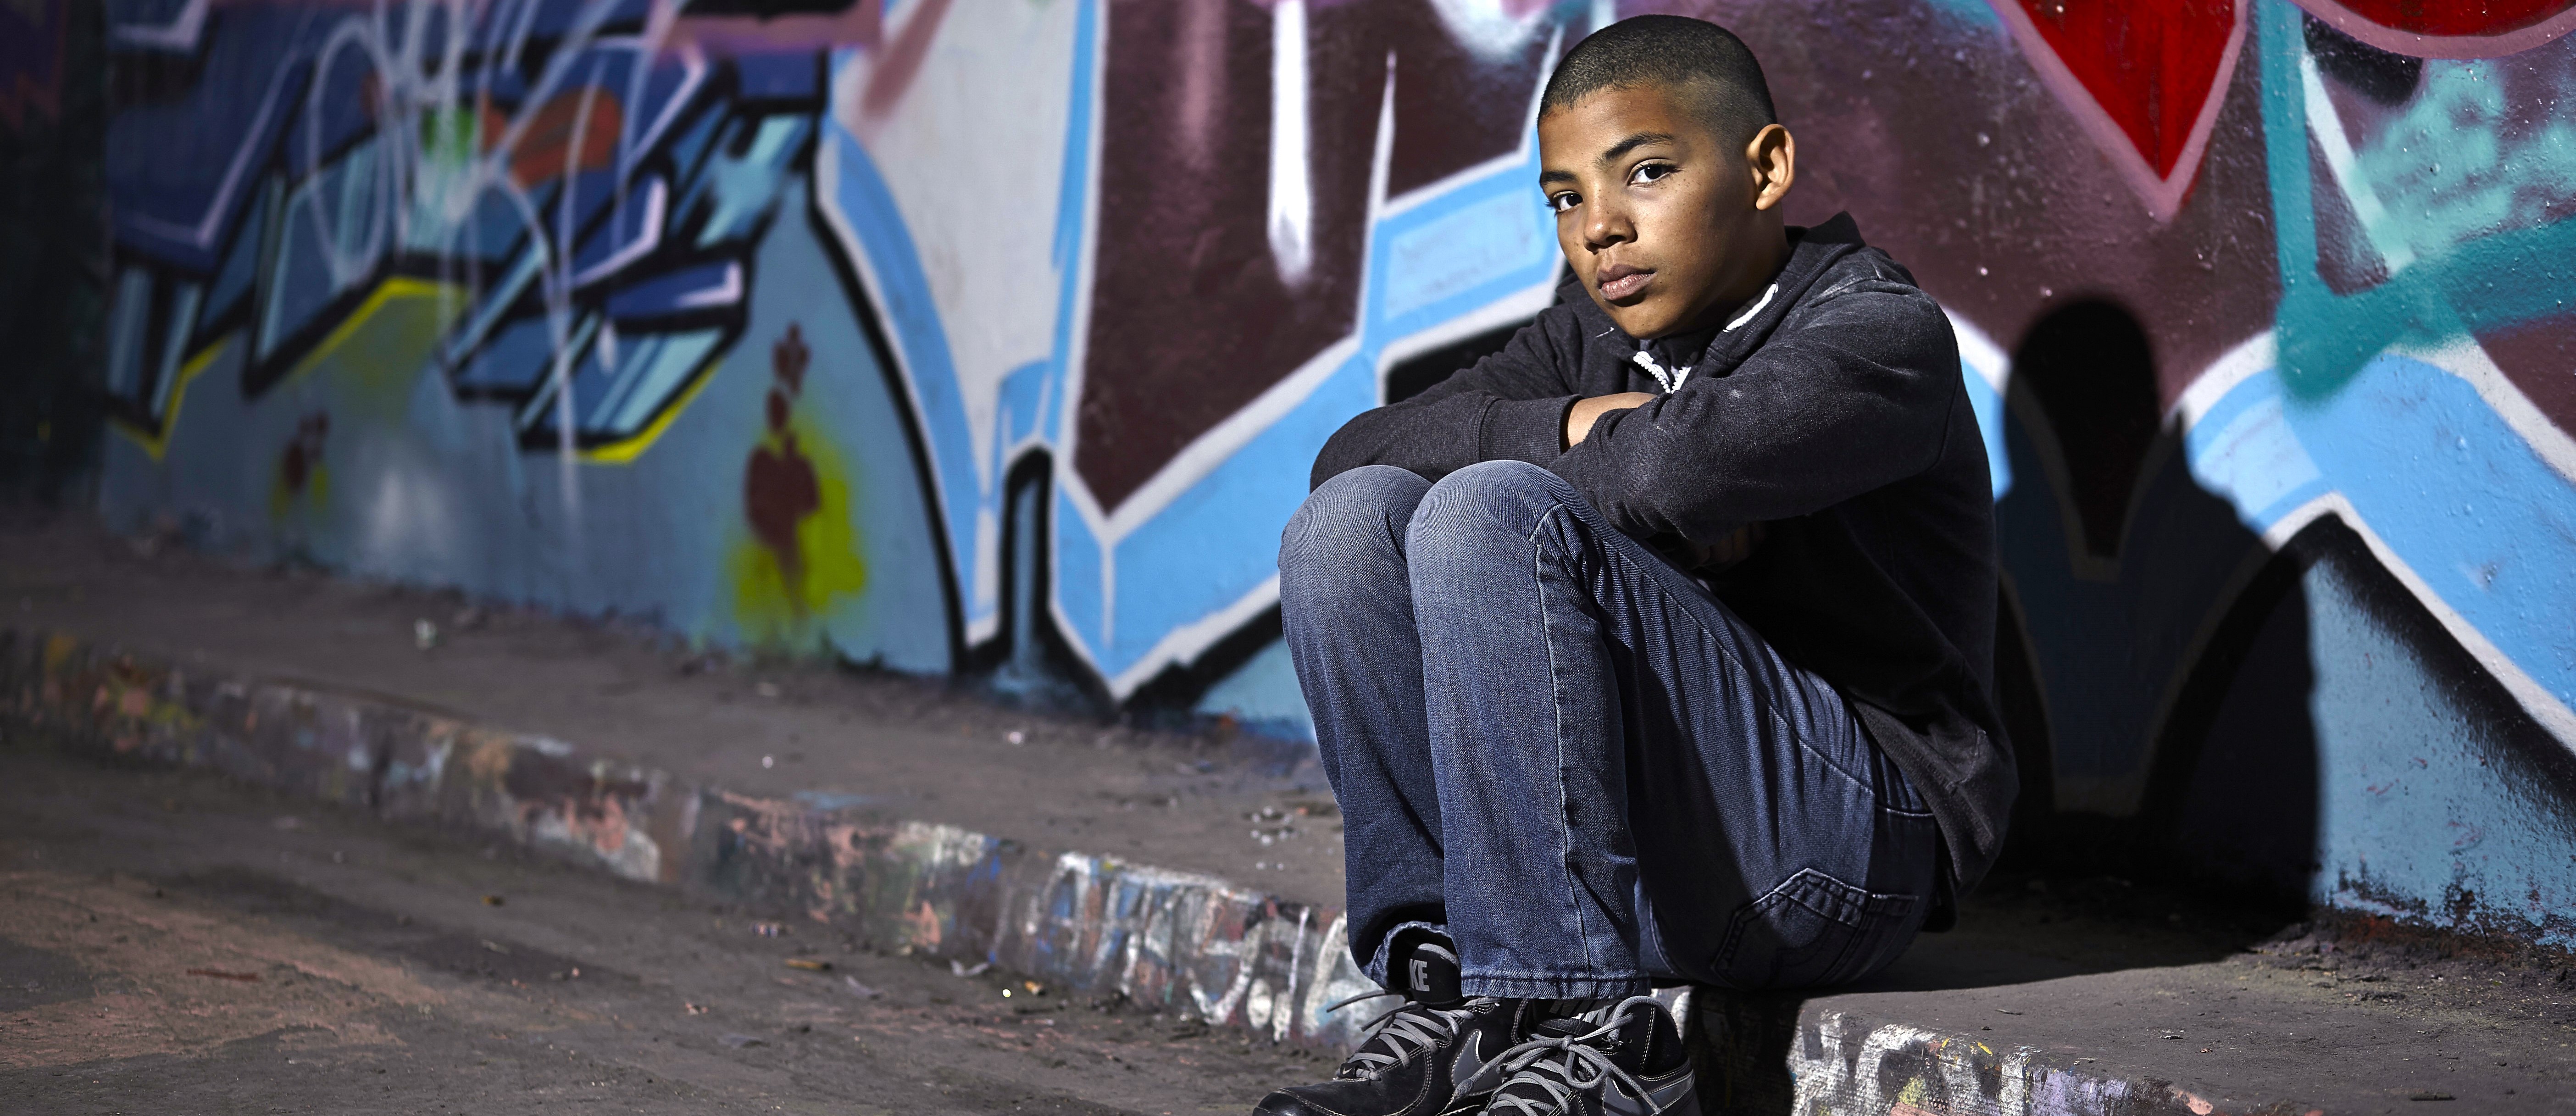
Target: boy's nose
<point>1607,227</point>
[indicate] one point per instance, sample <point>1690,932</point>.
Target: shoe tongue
<point>1564,1026</point>
<point>1624,1046</point>
<point>1635,1027</point>
<point>1428,975</point>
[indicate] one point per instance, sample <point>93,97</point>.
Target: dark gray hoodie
<point>1831,413</point>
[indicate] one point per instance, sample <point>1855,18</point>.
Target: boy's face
<point>1667,224</point>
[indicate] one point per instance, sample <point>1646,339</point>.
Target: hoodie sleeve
<point>1851,393</point>
<point>1510,405</point>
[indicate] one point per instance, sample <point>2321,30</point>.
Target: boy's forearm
<point>1689,467</point>
<point>1585,412</point>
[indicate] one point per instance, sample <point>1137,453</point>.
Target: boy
<point>1655,646</point>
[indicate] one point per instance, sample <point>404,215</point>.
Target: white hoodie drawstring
<point>1672,378</point>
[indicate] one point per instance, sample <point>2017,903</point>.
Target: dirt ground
<point>172,943</point>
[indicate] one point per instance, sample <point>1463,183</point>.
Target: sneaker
<point>1622,1060</point>
<point>1412,1058</point>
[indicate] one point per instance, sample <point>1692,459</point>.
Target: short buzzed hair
<point>1718,70</point>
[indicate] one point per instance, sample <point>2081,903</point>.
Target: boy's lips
<point>1619,281</point>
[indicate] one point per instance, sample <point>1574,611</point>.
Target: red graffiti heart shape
<point>2482,30</point>
<point>2144,78</point>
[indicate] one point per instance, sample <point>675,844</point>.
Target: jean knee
<point>1354,515</point>
<point>1484,503</point>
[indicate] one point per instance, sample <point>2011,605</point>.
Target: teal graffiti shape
<point>2454,287</point>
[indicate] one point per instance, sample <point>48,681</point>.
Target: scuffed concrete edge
<point>1173,941</point>
<point>1180,942</point>
<point>1781,1053</point>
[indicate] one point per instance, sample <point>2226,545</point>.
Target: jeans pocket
<point>1814,930</point>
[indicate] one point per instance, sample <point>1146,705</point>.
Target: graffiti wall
<point>52,247</point>
<point>994,337</point>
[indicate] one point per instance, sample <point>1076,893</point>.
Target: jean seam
<point>1555,980</point>
<point>1556,704</point>
<point>1801,741</point>
<point>1743,915</point>
<point>1868,915</point>
<point>1547,974</point>
<point>1576,989</point>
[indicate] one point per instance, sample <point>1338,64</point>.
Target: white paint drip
<point>1292,189</point>
<point>1492,29</point>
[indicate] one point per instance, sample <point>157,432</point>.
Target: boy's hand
<point>1579,420</point>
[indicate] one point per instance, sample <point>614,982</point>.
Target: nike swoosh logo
<point>1661,1095</point>
<point>1470,1060</point>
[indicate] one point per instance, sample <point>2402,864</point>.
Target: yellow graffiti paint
<point>624,451</point>
<point>1913,1095</point>
<point>285,501</point>
<point>783,609</point>
<point>157,442</point>
<point>379,349</point>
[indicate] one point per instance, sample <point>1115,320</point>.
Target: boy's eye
<point>1562,202</point>
<point>1648,172</point>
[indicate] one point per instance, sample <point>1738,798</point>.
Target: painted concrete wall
<point>53,248</point>
<point>981,335</point>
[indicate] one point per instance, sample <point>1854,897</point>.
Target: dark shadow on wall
<point>53,276</point>
<point>2170,605</point>
<point>2231,801</point>
<point>2090,370</point>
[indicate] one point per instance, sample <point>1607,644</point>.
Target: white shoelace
<point>1582,1068</point>
<point>1406,1034</point>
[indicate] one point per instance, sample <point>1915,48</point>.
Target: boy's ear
<point>1773,160</point>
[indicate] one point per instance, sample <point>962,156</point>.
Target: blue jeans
<point>1562,751</point>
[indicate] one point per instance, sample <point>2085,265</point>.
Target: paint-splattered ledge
<point>1176,941</point>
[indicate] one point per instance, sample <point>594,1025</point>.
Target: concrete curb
<point>1176,941</point>
<point>1778,1053</point>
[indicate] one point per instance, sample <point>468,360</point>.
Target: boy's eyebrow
<point>1632,143</point>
